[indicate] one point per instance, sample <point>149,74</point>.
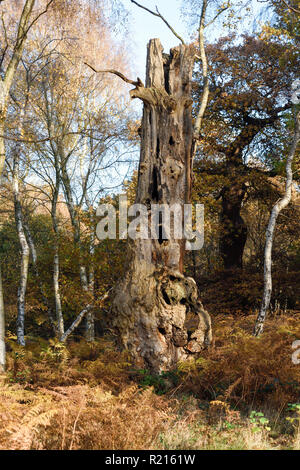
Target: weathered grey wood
<point>156,311</point>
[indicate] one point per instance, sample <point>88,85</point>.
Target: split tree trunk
<point>156,312</point>
<point>2,311</point>
<point>2,327</point>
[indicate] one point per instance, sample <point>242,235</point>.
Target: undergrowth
<point>242,393</point>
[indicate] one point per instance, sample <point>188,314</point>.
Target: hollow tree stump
<point>156,312</point>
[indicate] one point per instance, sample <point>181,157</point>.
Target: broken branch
<point>137,83</point>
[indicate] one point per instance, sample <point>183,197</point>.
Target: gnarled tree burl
<point>156,311</point>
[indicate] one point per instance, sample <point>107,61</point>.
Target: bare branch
<point>217,15</point>
<point>47,139</point>
<point>137,83</point>
<point>159,15</point>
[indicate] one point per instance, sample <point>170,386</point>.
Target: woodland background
<point>72,141</point>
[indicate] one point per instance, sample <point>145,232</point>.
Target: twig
<point>159,15</point>
<point>217,15</point>
<point>38,16</point>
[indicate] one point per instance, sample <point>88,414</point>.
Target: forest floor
<point>243,393</point>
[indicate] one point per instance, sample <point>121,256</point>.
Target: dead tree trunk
<point>156,312</point>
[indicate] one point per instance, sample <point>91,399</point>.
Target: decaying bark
<point>156,312</point>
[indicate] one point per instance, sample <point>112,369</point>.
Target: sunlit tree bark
<point>156,311</point>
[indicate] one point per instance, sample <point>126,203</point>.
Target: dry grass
<point>87,396</point>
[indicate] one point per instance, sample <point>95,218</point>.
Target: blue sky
<point>144,26</point>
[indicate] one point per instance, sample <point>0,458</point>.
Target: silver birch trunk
<point>76,322</point>
<point>205,93</point>
<point>60,329</point>
<point>5,86</point>
<point>90,318</point>
<point>2,311</point>
<point>86,283</point>
<point>33,252</point>
<point>281,204</point>
<point>2,328</point>
<point>62,334</point>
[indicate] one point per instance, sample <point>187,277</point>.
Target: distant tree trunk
<point>24,249</point>
<point>281,204</point>
<point>60,329</point>
<point>233,228</point>
<point>156,311</point>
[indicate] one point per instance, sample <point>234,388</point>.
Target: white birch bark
<point>90,319</point>
<point>6,83</point>
<point>2,328</point>
<point>154,305</point>
<point>281,204</point>
<point>2,311</point>
<point>5,86</point>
